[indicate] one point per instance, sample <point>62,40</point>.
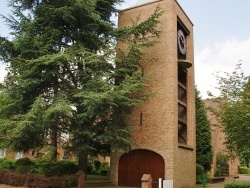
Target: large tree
<point>234,111</point>
<point>204,153</point>
<point>65,75</point>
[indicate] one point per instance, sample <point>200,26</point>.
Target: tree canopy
<point>204,153</point>
<point>65,77</point>
<point>234,111</point>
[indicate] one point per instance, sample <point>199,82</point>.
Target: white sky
<point>221,37</point>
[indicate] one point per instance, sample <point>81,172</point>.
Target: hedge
<point>40,166</point>
<point>237,185</point>
<point>35,181</point>
<point>244,170</point>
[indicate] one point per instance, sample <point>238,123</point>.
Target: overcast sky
<point>221,37</point>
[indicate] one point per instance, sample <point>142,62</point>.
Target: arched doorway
<point>134,164</point>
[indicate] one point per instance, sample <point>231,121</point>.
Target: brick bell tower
<point>166,123</point>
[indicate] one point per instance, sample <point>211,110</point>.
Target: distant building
<point>218,139</point>
<point>166,133</point>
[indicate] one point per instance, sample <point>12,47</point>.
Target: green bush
<point>49,168</point>
<point>66,168</point>
<point>105,165</point>
<point>103,172</point>
<point>24,165</point>
<point>200,174</point>
<point>97,165</point>
<point>237,185</point>
<point>8,164</point>
<point>222,167</point>
<point>89,167</point>
<point>24,161</point>
<point>244,170</point>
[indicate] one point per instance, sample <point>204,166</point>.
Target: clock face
<point>181,42</point>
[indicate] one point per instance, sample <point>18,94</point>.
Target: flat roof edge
<point>156,2</point>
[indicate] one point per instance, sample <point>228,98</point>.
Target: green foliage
<point>24,161</point>
<point>233,111</point>
<point>237,185</point>
<point>51,168</point>
<point>97,165</point>
<point>65,76</point>
<point>24,165</point>
<point>204,153</point>
<point>89,167</point>
<point>105,165</point>
<point>43,167</point>
<point>244,170</point>
<point>222,167</point>
<point>8,164</point>
<point>200,174</point>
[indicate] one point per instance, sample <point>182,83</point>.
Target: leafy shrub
<point>50,168</point>
<point>8,164</point>
<point>24,161</point>
<point>13,178</point>
<point>237,185</point>
<point>104,172</point>
<point>52,182</point>
<point>35,181</point>
<point>244,170</point>
<point>24,165</point>
<point>201,176</point>
<point>89,168</point>
<point>66,168</point>
<point>105,165</point>
<point>2,173</point>
<point>199,173</point>
<point>97,165</point>
<point>222,167</point>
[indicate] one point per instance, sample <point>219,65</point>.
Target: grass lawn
<point>97,177</point>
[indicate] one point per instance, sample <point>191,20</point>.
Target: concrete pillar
<point>81,178</point>
<point>146,181</point>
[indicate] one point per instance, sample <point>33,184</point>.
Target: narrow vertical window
<point>182,105</point>
<point>141,118</point>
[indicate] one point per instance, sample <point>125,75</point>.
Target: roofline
<point>156,2</point>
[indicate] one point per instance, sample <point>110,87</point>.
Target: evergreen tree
<point>204,153</point>
<point>65,77</point>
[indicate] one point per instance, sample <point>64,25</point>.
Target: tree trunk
<point>54,143</point>
<point>83,161</point>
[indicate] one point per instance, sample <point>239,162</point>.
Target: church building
<point>166,123</point>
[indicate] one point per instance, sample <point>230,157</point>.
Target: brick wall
<point>159,129</point>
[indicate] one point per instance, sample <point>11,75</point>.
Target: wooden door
<point>134,164</point>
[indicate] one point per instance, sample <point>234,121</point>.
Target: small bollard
<point>160,183</point>
<point>81,178</point>
<point>146,181</point>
